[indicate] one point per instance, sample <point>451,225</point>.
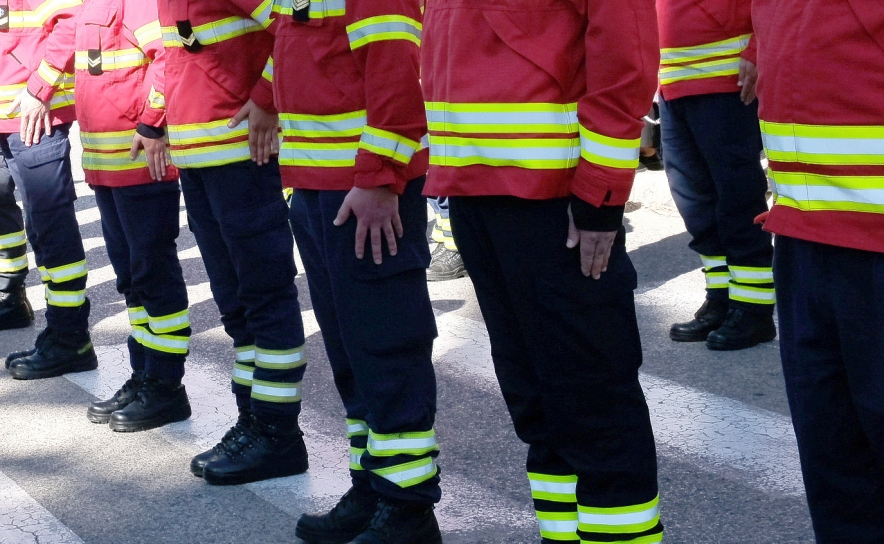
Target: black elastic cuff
<point>590,218</point>
<point>150,132</point>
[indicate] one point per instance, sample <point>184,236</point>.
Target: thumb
<point>238,118</point>
<point>343,214</point>
<point>133,151</point>
<point>573,234</point>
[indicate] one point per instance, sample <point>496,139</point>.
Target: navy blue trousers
<point>140,226</point>
<point>378,328</point>
<point>43,175</point>
<point>239,219</point>
<point>566,350</point>
<point>831,312</point>
<point>712,160</point>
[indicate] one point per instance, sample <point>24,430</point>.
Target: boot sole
<point>725,346</point>
<point>680,337</point>
<point>253,475</point>
<point>179,414</point>
<point>97,418</point>
<point>197,470</point>
<point>446,277</point>
<point>24,374</point>
<point>312,538</point>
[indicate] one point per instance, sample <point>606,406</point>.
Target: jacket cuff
<point>262,96</point>
<point>751,51</point>
<point>590,218</point>
<point>39,89</point>
<point>150,132</point>
<point>373,171</point>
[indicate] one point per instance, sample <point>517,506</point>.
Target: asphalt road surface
<point>728,463</point>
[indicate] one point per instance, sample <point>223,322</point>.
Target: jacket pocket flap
<point>98,15</point>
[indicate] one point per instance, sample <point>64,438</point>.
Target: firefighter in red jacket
<point>712,147</point>
<point>535,115</point>
<point>223,129</point>
<point>821,89</point>
<point>120,105</point>
<point>36,97</point>
<point>346,81</point>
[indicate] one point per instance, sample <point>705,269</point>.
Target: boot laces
<point>379,520</point>
<point>132,384</point>
<point>232,435</point>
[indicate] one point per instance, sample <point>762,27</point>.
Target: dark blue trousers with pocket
<point>378,327</point>
<point>831,311</point>
<point>240,221</point>
<point>42,174</point>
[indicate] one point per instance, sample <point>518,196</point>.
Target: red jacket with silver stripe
<point>213,75</point>
<point>821,95</point>
<point>537,98</point>
<point>36,35</point>
<point>702,42</point>
<point>119,84</point>
<point>347,88</point>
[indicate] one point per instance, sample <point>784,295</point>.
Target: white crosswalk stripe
<point>24,521</point>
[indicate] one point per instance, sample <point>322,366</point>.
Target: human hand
<point>34,117</point>
<point>376,211</point>
<point>263,131</point>
<point>746,80</point>
<point>595,248</point>
<point>154,153</point>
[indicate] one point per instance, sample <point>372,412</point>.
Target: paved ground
<point>727,456</point>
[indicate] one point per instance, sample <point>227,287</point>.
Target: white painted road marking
<point>24,521</point>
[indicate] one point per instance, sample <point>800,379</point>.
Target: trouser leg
<point>442,227</point>
<point>47,187</point>
<point>831,308</point>
<point>577,340</point>
<point>246,205</point>
<point>13,243</point>
<point>387,328</point>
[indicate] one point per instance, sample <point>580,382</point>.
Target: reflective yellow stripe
<point>751,274</point>
<point>384,27</point>
<point>215,152</point>
<point>268,70</point>
<point>49,74</point>
<point>44,276</point>
<point>67,272</point>
<point>713,262</point>
<point>39,17</point>
<point>276,392</point>
<point>108,141</point>
<point>112,60</point>
<point>723,48</point>
<point>356,458</point>
<point>700,70</point>
<point>619,520</point>
<point>704,61</point>
<point>606,151</point>
<point>119,161</point>
<point>64,96</point>
<point>138,315</point>
<point>550,487</point>
<point>656,538</point>
<point>318,154</point>
<point>14,239</point>
<point>502,118</point>
<point>409,474</point>
<point>529,153</point>
<point>65,299</point>
<point>388,445</point>
<point>148,33</point>
<point>809,192</point>
<point>243,374</point>
<point>558,525</point>
<point>212,132</point>
<point>16,264</point>
<point>356,427</point>
<point>718,280</point>
<point>388,144</point>
<point>214,32</point>
<point>751,294</point>
<point>280,359</point>
<point>245,354</point>
<point>263,13</point>
<point>824,145</point>
<point>157,99</point>
<point>319,9</point>
<point>172,322</point>
<point>165,343</point>
<point>323,126</point>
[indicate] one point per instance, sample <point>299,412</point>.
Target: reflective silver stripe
<point>170,323</point>
<point>108,140</point>
<point>824,146</point>
<point>727,47</point>
<point>397,446</point>
<point>442,119</point>
<point>211,156</point>
<point>65,299</point>
<point>44,276</point>
<point>68,272</point>
<point>821,193</point>
<point>362,34</point>
<point>561,153</point>
<point>14,264</point>
<point>279,359</point>
<point>356,427</point>
<point>613,520</point>
<point>558,488</point>
<point>713,262</point>
<point>111,60</point>
<point>341,155</point>
<point>415,473</point>
<point>276,392</point>
<point>717,279</point>
<point>700,70</point>
<point>608,151</point>
<point>356,458</point>
<point>323,126</point>
<point>211,33</point>
<point>751,275</point>
<point>214,132</point>
<point>13,240</point>
<point>243,374</point>
<point>752,295</point>
<point>162,343</point>
<point>388,147</point>
<point>138,316</point>
<point>561,527</point>
<point>246,354</point>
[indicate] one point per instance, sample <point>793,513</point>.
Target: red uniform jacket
<point>537,98</point>
<point>119,71</point>
<point>821,93</point>
<point>348,91</point>
<point>211,72</point>
<point>702,42</point>
<point>35,37</point>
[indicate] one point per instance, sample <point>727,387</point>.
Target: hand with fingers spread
<point>263,131</point>
<point>746,80</point>
<point>155,153</point>
<point>377,213</point>
<point>595,248</point>
<point>34,117</point>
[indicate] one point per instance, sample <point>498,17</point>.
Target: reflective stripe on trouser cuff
<point>243,374</point>
<point>409,474</point>
<point>44,276</point>
<point>718,280</point>
<point>8,266</point>
<point>388,445</point>
<point>751,274</point>
<point>606,151</point>
<point>68,272</point>
<point>165,343</point>
<point>279,359</point>
<point>356,458</point>
<point>356,427</point>
<point>14,239</point>
<point>276,392</point>
<point>172,322</point>
<point>713,262</point>
<point>655,538</point>
<point>752,294</point>
<point>65,299</point>
<point>558,525</point>
<point>619,520</point>
<point>137,315</point>
<point>245,354</point>
<point>549,487</point>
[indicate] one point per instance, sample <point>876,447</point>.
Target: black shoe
<point>347,520</point>
<point>15,310</point>
<point>156,403</point>
<point>41,338</point>
<point>59,353</point>
<point>651,162</point>
<point>263,451</point>
<point>742,330</point>
<point>100,411</point>
<point>446,265</point>
<point>199,462</point>
<point>709,317</point>
<point>401,523</point>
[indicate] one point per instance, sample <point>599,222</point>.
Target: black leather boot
<point>15,310</point>
<point>263,451</point>
<point>100,411</point>
<point>742,330</point>
<point>59,352</point>
<point>401,523</point>
<point>199,462</point>
<point>156,403</point>
<point>709,317</point>
<point>347,520</point>
<point>30,351</point>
